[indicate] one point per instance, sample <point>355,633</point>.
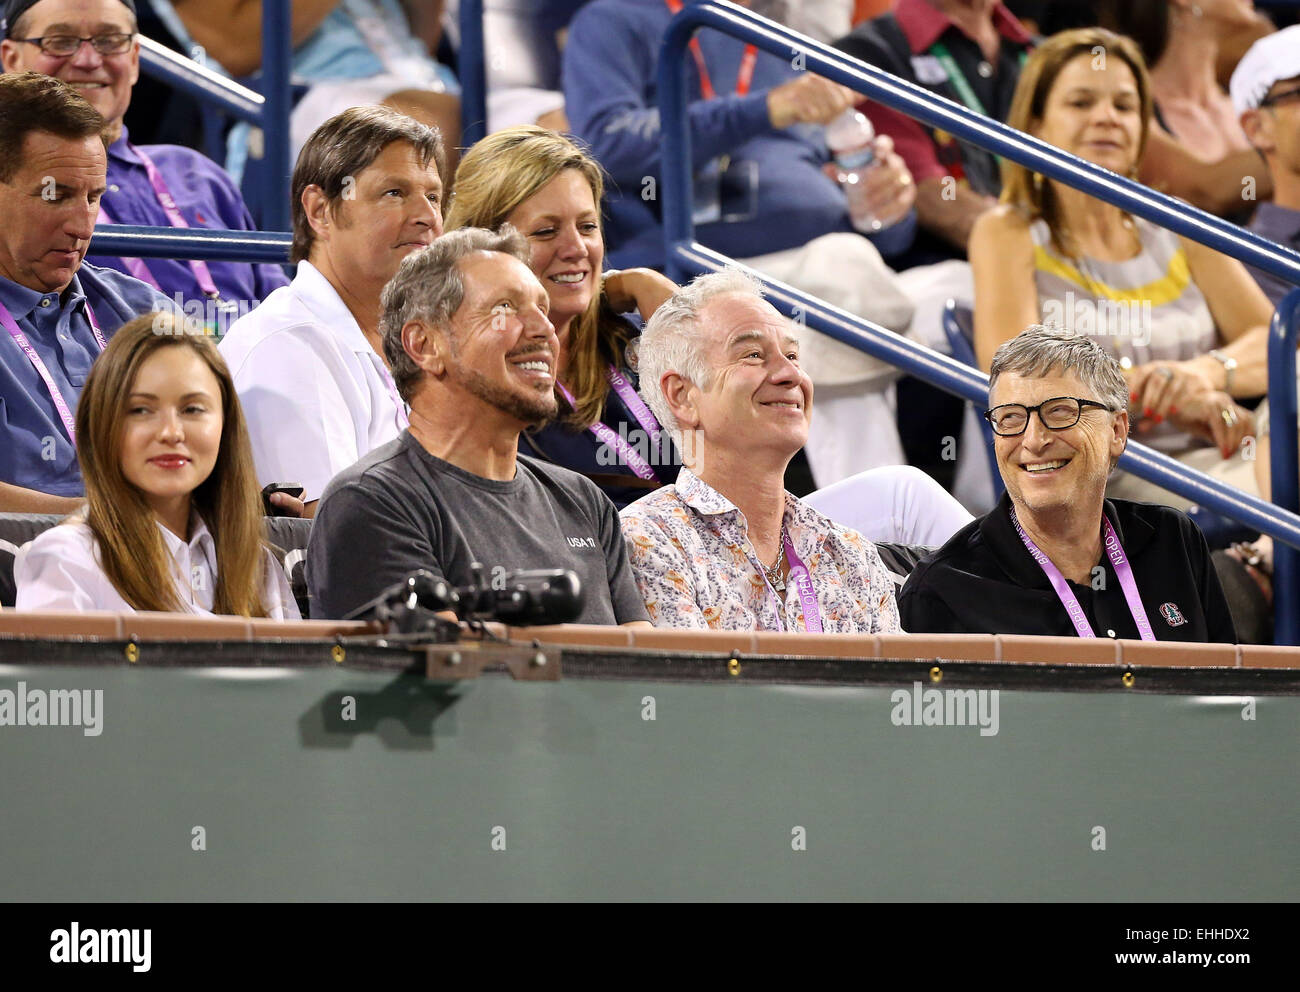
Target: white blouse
<point>60,570</point>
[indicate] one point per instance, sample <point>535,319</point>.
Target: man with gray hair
<point>466,334</point>
<point>1055,557</point>
<point>726,547</point>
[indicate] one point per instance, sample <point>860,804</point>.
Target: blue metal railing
<point>471,66</point>
<point>1285,485</point>
<point>268,110</point>
<point>685,255</point>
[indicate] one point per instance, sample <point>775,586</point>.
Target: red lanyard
<point>747,62</point>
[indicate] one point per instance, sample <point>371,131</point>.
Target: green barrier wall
<point>595,801</point>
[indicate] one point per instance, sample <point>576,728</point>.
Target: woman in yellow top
<point>1188,325</point>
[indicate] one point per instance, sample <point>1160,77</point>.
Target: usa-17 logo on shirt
<point>581,542</point>
<point>1172,616</point>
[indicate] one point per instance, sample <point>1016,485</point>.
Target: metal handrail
<point>684,254</point>
<point>471,66</point>
<point>1283,479</point>
<point>268,110</point>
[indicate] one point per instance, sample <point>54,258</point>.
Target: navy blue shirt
<point>37,452</point>
<point>206,197</point>
<point>610,99</point>
<point>1280,224</point>
<point>582,452</point>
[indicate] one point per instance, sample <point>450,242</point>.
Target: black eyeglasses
<point>63,45</point>
<point>1286,96</point>
<point>1057,414</point>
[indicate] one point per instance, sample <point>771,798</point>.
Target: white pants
<point>899,504</point>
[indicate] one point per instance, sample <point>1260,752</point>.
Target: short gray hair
<point>429,286</point>
<point>1040,351</point>
<point>671,341</point>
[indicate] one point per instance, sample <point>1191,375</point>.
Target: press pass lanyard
<point>137,268</point>
<point>799,575</point>
<point>744,78</point>
<point>958,78</point>
<point>1118,560</point>
<point>639,466</point>
<point>60,404</point>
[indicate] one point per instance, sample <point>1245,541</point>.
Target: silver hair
<point>671,341</point>
<point>429,286</point>
<point>1040,351</point>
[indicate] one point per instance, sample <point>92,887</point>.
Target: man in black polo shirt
<point>1055,557</point>
<point>466,334</point>
<point>969,51</point>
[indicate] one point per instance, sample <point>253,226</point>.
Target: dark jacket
<point>983,581</point>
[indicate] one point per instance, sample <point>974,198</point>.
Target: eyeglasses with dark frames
<point>64,45</point>
<point>1277,99</point>
<point>1057,414</point>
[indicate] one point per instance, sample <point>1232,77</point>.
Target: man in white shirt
<point>308,363</point>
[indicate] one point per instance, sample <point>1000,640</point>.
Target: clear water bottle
<point>852,143</point>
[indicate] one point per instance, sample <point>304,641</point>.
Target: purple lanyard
<point>802,580</point>
<point>137,268</point>
<point>60,404</point>
<point>799,575</point>
<point>1118,561</point>
<point>639,466</point>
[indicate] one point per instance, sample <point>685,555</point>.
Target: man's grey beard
<point>535,411</point>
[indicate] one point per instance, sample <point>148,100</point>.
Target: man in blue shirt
<point>1266,93</point>
<point>762,195</point>
<point>153,185</point>
<point>56,312</point>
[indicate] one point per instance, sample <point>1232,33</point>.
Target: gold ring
<point>1229,416</point>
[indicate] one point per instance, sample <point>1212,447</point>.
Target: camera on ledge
<point>522,598</point>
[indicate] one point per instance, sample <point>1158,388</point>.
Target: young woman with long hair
<point>173,515</point>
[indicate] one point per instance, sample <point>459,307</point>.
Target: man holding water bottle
<point>765,192</point>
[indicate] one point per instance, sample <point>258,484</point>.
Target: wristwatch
<point>1229,368</point>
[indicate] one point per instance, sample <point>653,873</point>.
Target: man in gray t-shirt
<point>471,350</point>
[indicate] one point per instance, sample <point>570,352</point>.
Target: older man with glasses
<point>1055,557</point>
<point>91,45</point>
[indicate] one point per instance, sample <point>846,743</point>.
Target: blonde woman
<point>550,189</point>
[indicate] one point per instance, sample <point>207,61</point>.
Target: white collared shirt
<point>315,394</point>
<point>60,569</point>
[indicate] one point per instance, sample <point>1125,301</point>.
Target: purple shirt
<point>207,197</point>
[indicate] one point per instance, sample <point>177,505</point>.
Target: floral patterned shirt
<point>691,556</point>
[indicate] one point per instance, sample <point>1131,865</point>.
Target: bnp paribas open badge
<point>726,192</point>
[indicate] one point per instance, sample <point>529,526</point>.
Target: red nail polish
<point>1173,410</point>
<point>1133,397</point>
<point>1147,411</point>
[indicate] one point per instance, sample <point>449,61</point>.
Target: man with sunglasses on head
<point>91,45</point>
<point>1055,557</point>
